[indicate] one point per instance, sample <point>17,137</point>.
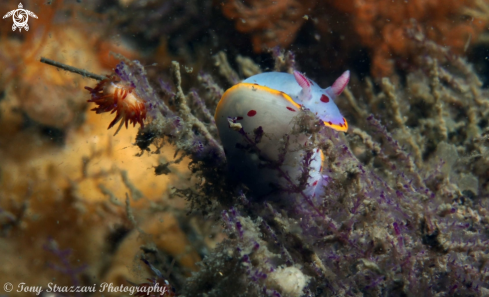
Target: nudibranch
<point>255,123</point>
<point>113,95</point>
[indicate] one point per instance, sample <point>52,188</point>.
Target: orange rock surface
<point>270,23</point>
<point>377,24</point>
<point>381,26</point>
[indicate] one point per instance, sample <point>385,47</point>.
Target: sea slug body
<point>255,122</point>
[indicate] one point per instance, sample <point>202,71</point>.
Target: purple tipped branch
<point>66,267</point>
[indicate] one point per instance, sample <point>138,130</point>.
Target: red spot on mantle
<point>324,98</point>
<point>315,183</point>
<point>291,109</point>
<point>251,113</point>
<point>330,123</point>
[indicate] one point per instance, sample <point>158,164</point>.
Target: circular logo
<point>20,18</point>
<point>8,287</point>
